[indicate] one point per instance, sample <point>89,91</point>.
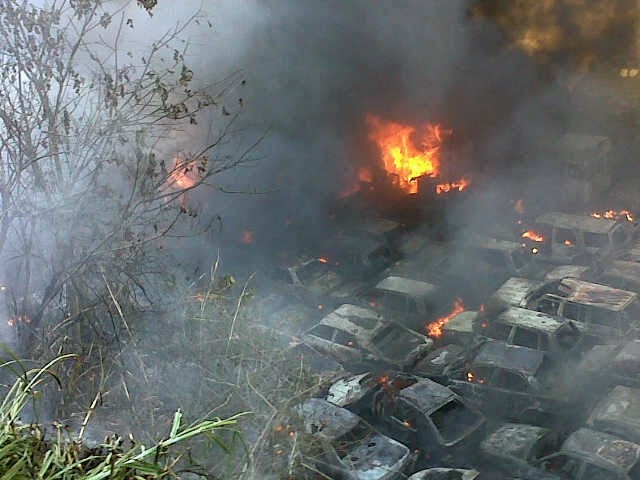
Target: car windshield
<point>346,443</point>
<point>393,341</point>
<point>454,420</point>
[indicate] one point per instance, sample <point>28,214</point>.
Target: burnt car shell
<point>614,457</point>
<point>354,334</point>
<point>515,292</point>
<point>605,366</point>
<point>414,410</point>
<point>368,456</point>
<point>618,413</point>
<point>515,446</point>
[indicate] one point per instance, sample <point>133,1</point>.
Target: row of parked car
<point>553,351</point>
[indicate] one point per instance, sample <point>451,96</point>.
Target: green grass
<point>27,453</point>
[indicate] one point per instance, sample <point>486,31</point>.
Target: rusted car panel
<point>514,447</point>
<point>351,448</point>
<point>354,335</point>
<point>445,474</point>
<point>618,413</point>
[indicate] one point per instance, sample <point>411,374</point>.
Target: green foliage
<point>26,452</point>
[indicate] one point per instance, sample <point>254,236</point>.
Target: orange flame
<point>185,173</point>
<point>614,215</point>
<point>518,206</point>
<point>533,235</point>
<point>323,259</point>
<point>434,329</point>
<point>460,185</point>
<point>401,156</point>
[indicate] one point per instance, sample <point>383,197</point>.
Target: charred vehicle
<point>348,448</point>
<point>605,366</point>
<point>515,447</point>
<point>357,336</point>
<point>416,411</point>
<point>515,383</point>
<point>407,301</point>
<point>532,329</point>
<point>621,274</point>
<point>617,413</point>
<point>603,313</point>
<point>514,292</point>
<point>590,455</point>
<point>564,238</point>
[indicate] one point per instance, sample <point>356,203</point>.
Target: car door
<point>404,421</point>
<point>510,393</point>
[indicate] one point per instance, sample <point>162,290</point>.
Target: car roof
<point>585,223</point>
<point>530,319</point>
<point>513,440</point>
<point>596,295</point>
<point>619,409</point>
<point>515,290</point>
<point>630,352</point>
<point>324,418</point>
<point>407,286</point>
<point>510,357</point>
<point>623,269</point>
<point>479,241</point>
<point>566,271</point>
<point>602,449</point>
<point>462,322</point>
<point>343,318</point>
<point>427,395</point>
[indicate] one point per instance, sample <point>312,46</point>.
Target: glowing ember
<point>400,154</point>
<point>518,206</point>
<point>460,185</point>
<point>614,215</point>
<point>533,235</point>
<point>185,173</point>
<point>434,329</point>
<point>248,236</point>
<point>323,260</point>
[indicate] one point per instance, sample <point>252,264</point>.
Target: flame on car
<point>434,329</point>
<point>406,152</point>
<point>614,215</point>
<point>533,235</point>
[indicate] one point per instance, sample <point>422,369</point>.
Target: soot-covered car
<point>618,413</point>
<point>348,447</point>
<point>515,447</point>
<point>515,383</point>
<point>356,335</point>
<point>419,412</point>
<point>605,366</point>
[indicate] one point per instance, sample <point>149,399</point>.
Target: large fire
<point>434,329</point>
<point>407,153</point>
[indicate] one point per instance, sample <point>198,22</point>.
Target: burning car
<point>617,413</point>
<point>356,335</point>
<point>408,301</point>
<point>515,383</point>
<point>532,329</point>
<point>602,312</point>
<point>566,238</point>
<point>515,447</point>
<point>605,366</point>
<point>416,411</point>
<point>349,448</point>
